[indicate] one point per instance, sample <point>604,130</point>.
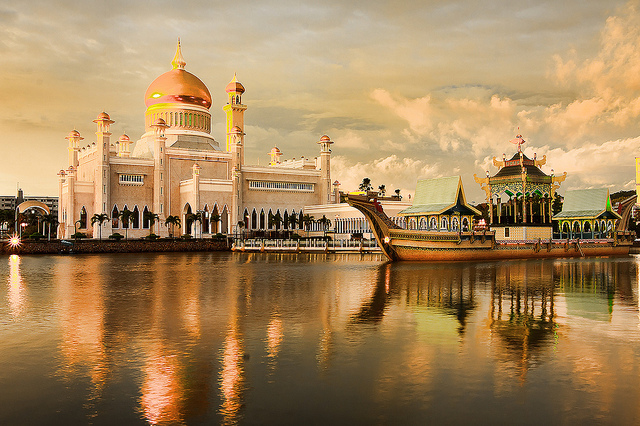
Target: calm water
<point>303,339</point>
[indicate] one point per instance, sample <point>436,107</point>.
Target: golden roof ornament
<point>178,61</point>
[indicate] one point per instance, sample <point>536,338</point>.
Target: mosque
<point>178,169</point>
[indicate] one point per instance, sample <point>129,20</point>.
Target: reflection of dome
<point>178,86</point>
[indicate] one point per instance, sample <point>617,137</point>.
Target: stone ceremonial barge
<point>440,224</point>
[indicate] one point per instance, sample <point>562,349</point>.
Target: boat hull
<point>500,251</point>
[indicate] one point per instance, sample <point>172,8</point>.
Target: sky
<point>406,90</point>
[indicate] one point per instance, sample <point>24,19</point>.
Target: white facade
<point>177,168</point>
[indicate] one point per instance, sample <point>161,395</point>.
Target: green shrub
<point>116,236</point>
<point>152,237</point>
<point>79,235</point>
<point>186,237</point>
<point>36,236</point>
<point>218,237</point>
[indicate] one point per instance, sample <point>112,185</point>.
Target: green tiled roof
<point>434,196</point>
<point>586,203</point>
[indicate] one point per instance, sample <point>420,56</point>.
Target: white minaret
<point>103,147</point>
<point>73,138</point>
<point>159,174</point>
<point>235,141</point>
<point>325,168</point>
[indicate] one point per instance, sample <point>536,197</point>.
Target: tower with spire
<point>234,110</point>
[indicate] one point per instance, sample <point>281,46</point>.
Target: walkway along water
<point>110,246</point>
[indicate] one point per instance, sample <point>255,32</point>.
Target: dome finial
<point>178,60</point>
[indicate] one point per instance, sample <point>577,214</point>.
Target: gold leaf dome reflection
<point>178,86</point>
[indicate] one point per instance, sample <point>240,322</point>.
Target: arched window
<point>187,218</point>
<point>465,224</point>
<point>285,220</point>
<point>412,223</point>
<point>83,218</point>
<point>565,229</point>
<point>126,222</point>
<point>423,223</point>
<point>145,218</point>
<point>262,221</point>
<point>576,227</point>
<point>433,223</point>
<point>254,219</point>
<point>444,224</point>
<point>205,220</point>
<point>115,214</point>
<point>224,220</point>
<point>247,219</point>
<point>454,224</point>
<point>135,218</point>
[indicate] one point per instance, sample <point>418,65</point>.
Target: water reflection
<point>226,338</point>
<point>16,287</point>
<point>522,312</point>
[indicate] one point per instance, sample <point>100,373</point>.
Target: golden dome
<point>124,138</point>
<point>178,86</point>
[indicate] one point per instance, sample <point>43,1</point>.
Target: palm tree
<point>152,218</point>
<point>173,221</point>
<point>6,217</point>
<point>215,218</point>
<point>397,191</point>
<point>195,217</point>
<point>125,216</point>
<point>326,223</point>
<point>241,225</point>
<point>307,220</point>
<point>50,219</point>
<point>365,185</point>
<point>275,220</point>
<point>293,221</point>
<point>100,219</point>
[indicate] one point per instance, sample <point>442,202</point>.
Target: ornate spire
<point>178,60</point>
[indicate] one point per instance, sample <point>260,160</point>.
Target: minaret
<point>235,138</point>
<point>159,174</point>
<point>235,110</point>
<point>275,155</point>
<point>325,168</point>
<point>124,146</point>
<point>70,205</point>
<point>62,202</point>
<point>102,184</point>
<point>73,138</point>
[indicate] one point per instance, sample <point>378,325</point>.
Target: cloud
<point>392,171</point>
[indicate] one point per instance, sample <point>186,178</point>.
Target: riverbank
<point>110,246</point>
